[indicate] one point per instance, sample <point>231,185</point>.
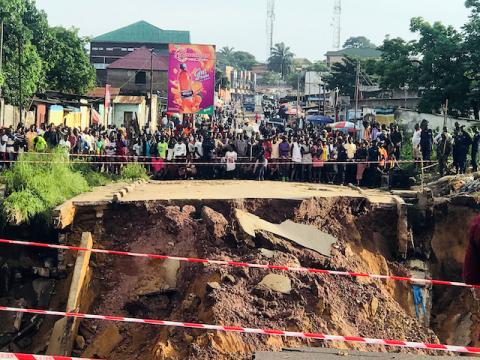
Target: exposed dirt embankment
<point>456,311</point>
<point>235,296</point>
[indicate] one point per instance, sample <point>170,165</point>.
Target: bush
<point>37,187</point>
<point>97,179</point>
<point>22,206</point>
<point>133,172</point>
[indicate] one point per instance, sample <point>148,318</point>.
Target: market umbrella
<point>343,126</point>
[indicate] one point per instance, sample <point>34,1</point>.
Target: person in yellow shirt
<point>31,135</point>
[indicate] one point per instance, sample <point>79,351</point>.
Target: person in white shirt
<point>351,148</point>
<point>198,148</point>
<point>230,159</point>
<point>297,161</point>
<point>64,143</point>
<point>417,154</point>
<point>179,150</point>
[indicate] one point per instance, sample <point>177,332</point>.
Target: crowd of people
<point>228,146</point>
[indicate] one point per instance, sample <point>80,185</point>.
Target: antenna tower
<point>337,24</point>
<point>270,25</point>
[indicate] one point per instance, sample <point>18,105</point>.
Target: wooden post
<point>65,330</point>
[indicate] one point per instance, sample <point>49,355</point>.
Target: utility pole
<point>324,102</point>
<point>1,54</point>
<point>20,89</point>
<point>445,114</point>
<point>151,89</point>
<point>357,88</point>
<point>298,93</point>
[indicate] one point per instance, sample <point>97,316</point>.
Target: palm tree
<point>225,55</point>
<point>227,51</point>
<point>281,59</point>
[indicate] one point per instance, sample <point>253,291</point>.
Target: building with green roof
<point>334,57</point>
<point>112,46</point>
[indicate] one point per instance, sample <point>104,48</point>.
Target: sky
<point>303,25</point>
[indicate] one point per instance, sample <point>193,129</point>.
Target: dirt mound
<point>235,296</point>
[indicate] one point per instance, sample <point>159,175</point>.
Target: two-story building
<point>108,48</point>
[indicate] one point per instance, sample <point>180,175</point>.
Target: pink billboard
<point>191,78</point>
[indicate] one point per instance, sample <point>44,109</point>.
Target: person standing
<point>462,145</point>
<point>396,138</point>
<point>230,160</point>
<point>471,267</point>
<point>444,149</point>
<point>284,152</point>
<point>417,154</point>
<point>475,148</point>
<point>297,161</point>
<point>426,141</point>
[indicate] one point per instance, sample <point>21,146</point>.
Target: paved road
<point>332,354</point>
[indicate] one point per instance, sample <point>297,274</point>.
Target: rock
<point>228,279</point>
<point>104,343</point>
<point>191,302</point>
<point>213,286</point>
<point>320,307</point>
<point>189,210</point>
<point>215,222</point>
<point>80,342</point>
<point>267,253</point>
<point>188,338</point>
<point>278,283</point>
<point>374,306</point>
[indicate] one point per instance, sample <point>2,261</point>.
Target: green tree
<point>295,79</point>
<point>221,80</point>
<point>243,60</point>
<point>319,66</point>
<point>281,59</point>
<point>23,64</point>
<point>68,68</point>
<point>270,78</point>
<point>443,67</point>
<point>396,67</point>
<point>472,48</point>
<point>52,58</point>
<point>343,76</point>
<point>240,60</point>
<point>359,42</point>
<point>20,55</point>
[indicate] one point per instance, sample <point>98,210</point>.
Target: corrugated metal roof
<point>140,59</point>
<point>357,52</point>
<point>99,92</point>
<point>133,100</point>
<point>144,32</point>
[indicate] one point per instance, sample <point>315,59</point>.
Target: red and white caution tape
<point>13,356</point>
<point>240,329</point>
<point>245,265</point>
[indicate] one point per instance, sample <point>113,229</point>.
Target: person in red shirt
<point>471,267</point>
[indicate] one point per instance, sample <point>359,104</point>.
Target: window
<point>109,49</point>
<point>100,66</point>
<point>95,49</point>
<point>141,78</point>
<point>124,49</point>
<point>101,49</point>
<point>131,49</point>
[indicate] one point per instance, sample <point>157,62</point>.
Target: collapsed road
<point>410,233</point>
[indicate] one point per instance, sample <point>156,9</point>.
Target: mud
<point>367,242</point>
